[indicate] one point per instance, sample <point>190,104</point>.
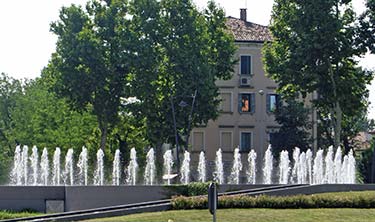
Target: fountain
<point>25,164</point>
<point>337,166</point>
<point>284,167</point>
<point>296,153</point>
<point>168,164</point>
<point>301,169</point>
<point>34,159</point>
<point>185,168</point>
<point>234,177</point>
<point>132,168</point>
<point>309,165</point>
<point>150,170</point>
<point>69,170</point>
<point>329,166</point>
<point>251,171</point>
<point>318,176</point>
<point>268,166</point>
<point>99,171</point>
<point>16,173</point>
<point>44,167</point>
<point>82,166</point>
<point>202,167</point>
<point>351,168</point>
<point>116,169</point>
<point>219,168</point>
<point>56,167</point>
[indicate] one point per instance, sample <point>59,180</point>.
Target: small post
<point>212,200</point>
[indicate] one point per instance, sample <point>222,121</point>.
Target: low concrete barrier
<point>19,198</point>
<point>72,198</point>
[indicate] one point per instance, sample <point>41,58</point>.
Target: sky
<point>26,43</point>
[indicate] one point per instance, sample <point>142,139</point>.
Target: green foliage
<point>181,51</point>
<point>366,163</point>
<point>188,190</point>
<point>4,215</point>
<point>294,120</point>
<point>90,65</point>
<point>9,89</point>
<point>329,200</point>
<point>314,49</point>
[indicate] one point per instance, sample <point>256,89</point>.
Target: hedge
<point>332,200</point>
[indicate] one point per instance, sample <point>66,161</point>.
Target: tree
<point>294,131</point>
<point>314,49</point>
<point>90,65</point>
<point>40,118</point>
<point>190,51</point>
<point>9,90</point>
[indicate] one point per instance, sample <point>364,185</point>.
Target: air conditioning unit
<point>245,80</point>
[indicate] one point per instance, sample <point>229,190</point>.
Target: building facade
<point>249,99</point>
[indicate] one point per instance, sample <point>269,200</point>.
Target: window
<point>198,141</point>
<point>226,141</point>
<point>272,102</point>
<point>246,140</point>
<point>246,103</point>
<point>226,102</point>
<point>245,65</point>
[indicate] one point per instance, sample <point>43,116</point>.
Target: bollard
<point>212,200</point>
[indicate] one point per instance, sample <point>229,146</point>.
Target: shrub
<point>332,200</point>
<point>191,189</point>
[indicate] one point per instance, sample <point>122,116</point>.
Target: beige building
<point>248,100</point>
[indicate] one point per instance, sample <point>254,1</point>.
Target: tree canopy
<point>160,52</point>
<point>315,48</point>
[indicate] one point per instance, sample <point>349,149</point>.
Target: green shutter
<point>252,101</point>
<point>268,102</point>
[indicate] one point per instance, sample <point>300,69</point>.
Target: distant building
<point>248,101</point>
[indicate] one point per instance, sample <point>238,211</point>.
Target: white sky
<point>26,43</point>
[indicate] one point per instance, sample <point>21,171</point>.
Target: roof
<point>244,31</point>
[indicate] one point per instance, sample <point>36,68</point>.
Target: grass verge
<point>253,215</point>
<point>12,215</point>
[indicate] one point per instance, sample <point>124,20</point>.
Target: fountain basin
<point>49,199</point>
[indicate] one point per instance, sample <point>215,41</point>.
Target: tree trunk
<point>159,160</point>
<point>337,125</point>
<point>336,112</point>
<point>103,137</point>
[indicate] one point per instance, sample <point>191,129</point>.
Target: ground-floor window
<point>245,141</point>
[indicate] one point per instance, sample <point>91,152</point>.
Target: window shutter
<point>268,102</point>
<point>249,66</point>
<point>252,98</point>
<point>239,103</point>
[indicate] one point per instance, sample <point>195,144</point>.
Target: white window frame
<point>251,65</point>
<point>250,93</point>
<point>204,140</point>
<point>251,138</point>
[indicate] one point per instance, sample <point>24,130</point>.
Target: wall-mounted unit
<point>245,80</point>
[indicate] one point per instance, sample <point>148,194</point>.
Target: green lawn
<point>11,215</point>
<point>254,215</point>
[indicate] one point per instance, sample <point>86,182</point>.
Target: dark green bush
<point>188,190</point>
<point>332,200</point>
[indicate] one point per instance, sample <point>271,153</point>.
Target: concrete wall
<point>41,198</point>
<point>19,198</point>
<point>73,198</point>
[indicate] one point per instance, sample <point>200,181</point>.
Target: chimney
<point>243,14</point>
